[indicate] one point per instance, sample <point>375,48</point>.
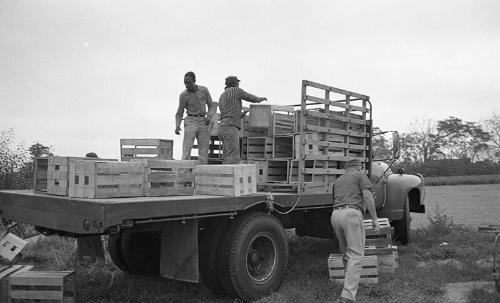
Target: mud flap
<point>179,251</point>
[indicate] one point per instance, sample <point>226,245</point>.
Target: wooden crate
<point>58,173</point>
<point>387,257</point>
<point>260,116</point>
<point>261,168</point>
<point>146,149</point>
<point>42,286</point>
<point>226,180</point>
<point>283,147</point>
<point>105,179</point>
<point>258,148</point>
<point>11,245</point>
<point>282,124</point>
<point>40,174</point>
<point>277,171</point>
<point>492,228</point>
<point>369,271</point>
<point>168,177</point>
<point>383,237</point>
<point>5,272</point>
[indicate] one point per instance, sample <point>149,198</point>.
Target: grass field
<point>426,266</point>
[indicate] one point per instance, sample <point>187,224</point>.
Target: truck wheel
<point>115,251</point>
<point>402,227</point>
<point>209,240</point>
<point>253,256</point>
<point>141,252</point>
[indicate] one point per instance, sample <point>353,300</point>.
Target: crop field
<point>425,266</point>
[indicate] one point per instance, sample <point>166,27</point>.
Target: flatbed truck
<point>236,245</point>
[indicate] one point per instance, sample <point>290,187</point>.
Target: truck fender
<point>398,187</point>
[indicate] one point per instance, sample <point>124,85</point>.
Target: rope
<point>271,208</point>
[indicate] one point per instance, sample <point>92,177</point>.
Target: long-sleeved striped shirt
<point>195,103</point>
<point>230,105</point>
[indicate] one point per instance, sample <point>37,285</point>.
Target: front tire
<point>402,227</point>
<point>253,256</point>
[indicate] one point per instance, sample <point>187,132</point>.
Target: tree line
<point>449,147</point>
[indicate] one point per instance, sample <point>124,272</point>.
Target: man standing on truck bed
<point>351,197</point>
<point>195,99</point>
<point>230,118</point>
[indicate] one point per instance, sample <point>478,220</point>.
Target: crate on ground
<point>491,228</point>
<point>168,177</point>
<point>226,179</point>
<point>57,173</point>
<point>381,238</point>
<point>11,245</point>
<point>369,271</point>
<point>105,179</point>
<point>5,272</point>
<point>387,257</point>
<point>42,286</point>
<point>146,149</point>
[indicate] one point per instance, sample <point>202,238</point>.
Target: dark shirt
<point>195,103</point>
<point>230,106</point>
<point>347,189</point>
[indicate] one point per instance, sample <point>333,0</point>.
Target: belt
<point>348,206</point>
<point>196,115</point>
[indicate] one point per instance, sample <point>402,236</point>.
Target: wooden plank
<point>334,116</point>
<point>333,158</point>
<point>335,90</point>
<point>324,171</point>
<point>144,142</point>
<point>336,131</point>
<point>140,151</point>
<point>492,228</point>
<point>337,103</point>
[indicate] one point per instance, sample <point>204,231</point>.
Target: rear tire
<point>253,256</point>
<point>402,227</point>
<point>141,252</point>
<point>115,251</point>
<point>209,241</point>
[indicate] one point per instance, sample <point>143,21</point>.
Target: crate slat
<point>36,286</point>
<point>146,149</point>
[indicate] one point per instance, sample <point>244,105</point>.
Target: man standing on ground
<point>351,197</point>
<point>195,99</point>
<point>230,118</point>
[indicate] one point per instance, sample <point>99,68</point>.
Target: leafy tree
<point>12,161</point>
<point>462,139</point>
<point>39,150</point>
<point>492,126</point>
<point>381,147</point>
<point>422,143</point>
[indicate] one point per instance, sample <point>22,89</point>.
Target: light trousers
<point>195,128</point>
<point>350,231</point>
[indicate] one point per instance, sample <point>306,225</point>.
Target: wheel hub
<point>261,258</point>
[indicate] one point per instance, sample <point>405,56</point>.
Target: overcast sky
<point>80,75</point>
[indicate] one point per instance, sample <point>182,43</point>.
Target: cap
<point>232,79</point>
<point>352,163</point>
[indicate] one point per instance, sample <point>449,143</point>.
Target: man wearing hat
<point>195,99</point>
<point>230,118</point>
<point>351,198</point>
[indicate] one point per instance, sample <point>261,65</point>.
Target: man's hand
<point>177,130</point>
<point>263,99</point>
<point>207,120</point>
<point>376,227</point>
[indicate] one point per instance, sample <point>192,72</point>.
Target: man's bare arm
<point>370,207</point>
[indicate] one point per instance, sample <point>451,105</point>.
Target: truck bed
<point>95,216</point>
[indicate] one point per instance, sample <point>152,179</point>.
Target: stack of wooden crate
<point>369,271</point>
<point>304,149</point>
<point>379,243</point>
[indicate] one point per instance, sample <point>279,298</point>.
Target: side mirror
<point>396,152</point>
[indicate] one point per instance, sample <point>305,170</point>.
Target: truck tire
<point>402,227</point>
<point>253,256</point>
<point>115,251</point>
<point>141,252</point>
<point>209,241</point>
